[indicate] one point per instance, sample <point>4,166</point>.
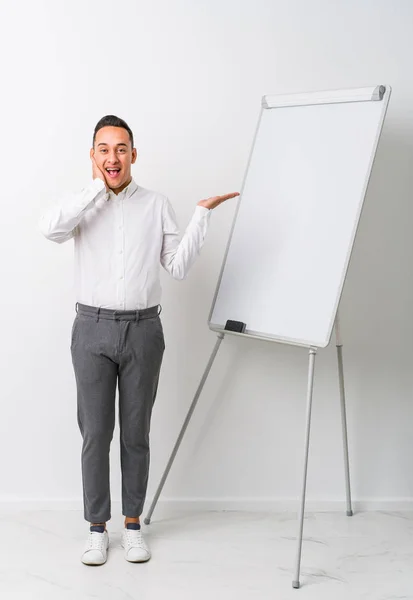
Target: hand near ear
<point>98,173</point>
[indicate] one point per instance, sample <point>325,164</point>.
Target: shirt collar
<point>126,193</point>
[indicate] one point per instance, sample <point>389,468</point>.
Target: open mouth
<point>113,173</point>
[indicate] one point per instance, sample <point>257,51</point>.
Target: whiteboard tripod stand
<point>311,368</point>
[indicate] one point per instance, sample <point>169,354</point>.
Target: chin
<point>114,185</point>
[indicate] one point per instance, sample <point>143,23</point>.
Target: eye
<point>103,150</point>
<point>122,150</point>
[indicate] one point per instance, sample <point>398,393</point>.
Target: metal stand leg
<point>184,427</point>
<point>312,354</point>
<point>343,415</point>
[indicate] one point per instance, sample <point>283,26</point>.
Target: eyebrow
<point>120,144</point>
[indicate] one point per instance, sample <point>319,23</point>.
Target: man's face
<point>114,156</point>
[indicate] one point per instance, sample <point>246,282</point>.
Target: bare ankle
<point>131,520</point>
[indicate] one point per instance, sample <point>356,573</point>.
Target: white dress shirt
<point>120,242</point>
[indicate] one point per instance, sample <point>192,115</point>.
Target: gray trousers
<point>110,348</point>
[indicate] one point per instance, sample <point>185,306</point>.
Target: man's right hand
<point>97,173</point>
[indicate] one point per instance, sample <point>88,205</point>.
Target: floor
<point>212,555</point>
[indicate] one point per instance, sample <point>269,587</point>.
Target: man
<point>122,233</point>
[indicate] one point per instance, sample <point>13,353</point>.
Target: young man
<point>122,233</point>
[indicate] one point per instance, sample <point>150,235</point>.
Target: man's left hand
<point>216,200</point>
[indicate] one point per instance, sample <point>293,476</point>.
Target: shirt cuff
<point>98,188</point>
<point>202,211</point>
<point>98,184</point>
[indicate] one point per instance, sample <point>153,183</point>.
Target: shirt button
<point>120,251</point>
<point>121,277</point>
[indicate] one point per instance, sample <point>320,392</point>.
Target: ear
<point>134,155</point>
<point>92,153</point>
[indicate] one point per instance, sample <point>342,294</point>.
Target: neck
<point>122,187</point>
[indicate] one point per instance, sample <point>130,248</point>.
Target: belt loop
<point>159,310</point>
<point>97,316</point>
<point>77,307</point>
<point>137,316</point>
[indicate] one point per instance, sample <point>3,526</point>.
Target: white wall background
<point>188,77</point>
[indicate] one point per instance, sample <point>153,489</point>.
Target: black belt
<point>117,315</point>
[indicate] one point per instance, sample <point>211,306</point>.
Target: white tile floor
<point>212,556</point>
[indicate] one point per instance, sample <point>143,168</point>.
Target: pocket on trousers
<point>74,327</point>
<point>161,330</point>
<point>156,329</point>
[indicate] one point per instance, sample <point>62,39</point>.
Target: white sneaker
<point>96,549</point>
<point>135,547</point>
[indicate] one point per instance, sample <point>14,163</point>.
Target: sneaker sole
<point>95,564</point>
<point>142,560</point>
<point>90,564</point>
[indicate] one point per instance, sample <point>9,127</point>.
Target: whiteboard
<point>298,213</point>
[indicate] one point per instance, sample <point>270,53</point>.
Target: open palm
<point>217,200</point>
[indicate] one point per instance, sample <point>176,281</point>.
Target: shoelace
<point>134,538</point>
<point>95,540</point>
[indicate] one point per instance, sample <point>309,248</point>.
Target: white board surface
<point>296,219</point>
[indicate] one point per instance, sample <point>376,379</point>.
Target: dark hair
<point>112,121</point>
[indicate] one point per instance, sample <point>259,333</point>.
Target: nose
<point>112,158</point>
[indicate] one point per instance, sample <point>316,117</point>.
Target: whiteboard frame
<point>379,93</point>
